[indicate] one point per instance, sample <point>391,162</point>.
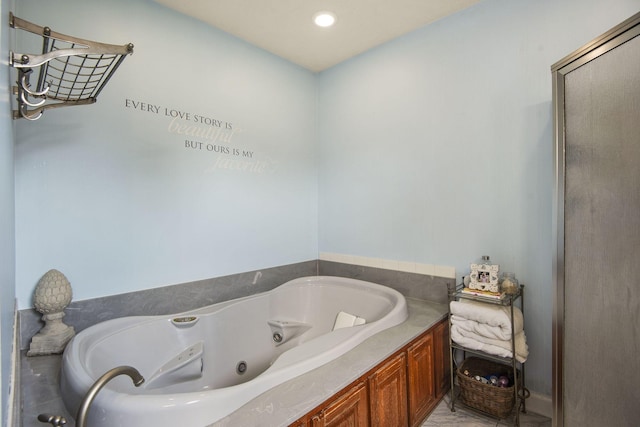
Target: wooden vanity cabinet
<point>400,391</point>
<point>350,409</point>
<point>422,395</point>
<point>388,393</point>
<point>442,355</point>
<point>428,372</point>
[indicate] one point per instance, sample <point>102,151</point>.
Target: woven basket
<point>493,400</point>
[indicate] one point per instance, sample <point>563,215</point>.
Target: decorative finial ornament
<point>52,295</point>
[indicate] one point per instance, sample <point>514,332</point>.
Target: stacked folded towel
<point>487,328</point>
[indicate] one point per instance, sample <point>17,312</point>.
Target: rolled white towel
<point>483,329</point>
<point>492,315</point>
<point>495,347</point>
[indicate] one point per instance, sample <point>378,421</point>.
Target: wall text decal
<point>207,134</point>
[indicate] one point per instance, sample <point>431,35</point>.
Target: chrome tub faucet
<point>58,421</point>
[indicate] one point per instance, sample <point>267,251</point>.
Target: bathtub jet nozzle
<point>241,367</point>
<point>284,330</point>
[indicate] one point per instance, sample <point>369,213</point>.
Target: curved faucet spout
<point>133,373</point>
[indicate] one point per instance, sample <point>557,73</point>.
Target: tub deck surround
<point>192,295</point>
<point>278,406</point>
<point>201,365</point>
<point>422,286</point>
<point>286,403</point>
<point>168,299</point>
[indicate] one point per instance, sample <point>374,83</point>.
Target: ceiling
<point>285,27</point>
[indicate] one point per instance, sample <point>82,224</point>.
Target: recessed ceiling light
<point>324,19</point>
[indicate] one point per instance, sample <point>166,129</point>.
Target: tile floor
<point>462,417</point>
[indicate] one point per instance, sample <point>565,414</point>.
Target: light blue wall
<point>437,147</point>
<point>434,148</point>
<point>7,241</point>
<point>112,196</point>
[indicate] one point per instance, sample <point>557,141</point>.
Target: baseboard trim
<point>540,404</point>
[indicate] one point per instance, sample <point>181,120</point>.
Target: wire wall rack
<point>69,71</point>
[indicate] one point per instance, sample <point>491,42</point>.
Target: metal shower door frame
<point>610,40</point>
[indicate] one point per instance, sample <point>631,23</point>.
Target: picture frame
<point>484,277</point>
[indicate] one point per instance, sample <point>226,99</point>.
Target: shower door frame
<point>615,37</point>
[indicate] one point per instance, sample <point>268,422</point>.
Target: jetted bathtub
<point>202,365</point>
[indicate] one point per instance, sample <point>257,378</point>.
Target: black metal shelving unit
<point>520,391</point>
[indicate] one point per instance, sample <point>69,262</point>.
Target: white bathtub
<point>191,361</point>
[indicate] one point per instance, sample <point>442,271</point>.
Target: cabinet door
<point>422,396</point>
<point>388,394</point>
<point>441,355</point>
<point>349,410</point>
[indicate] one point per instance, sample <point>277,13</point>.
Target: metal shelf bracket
<point>71,70</point>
